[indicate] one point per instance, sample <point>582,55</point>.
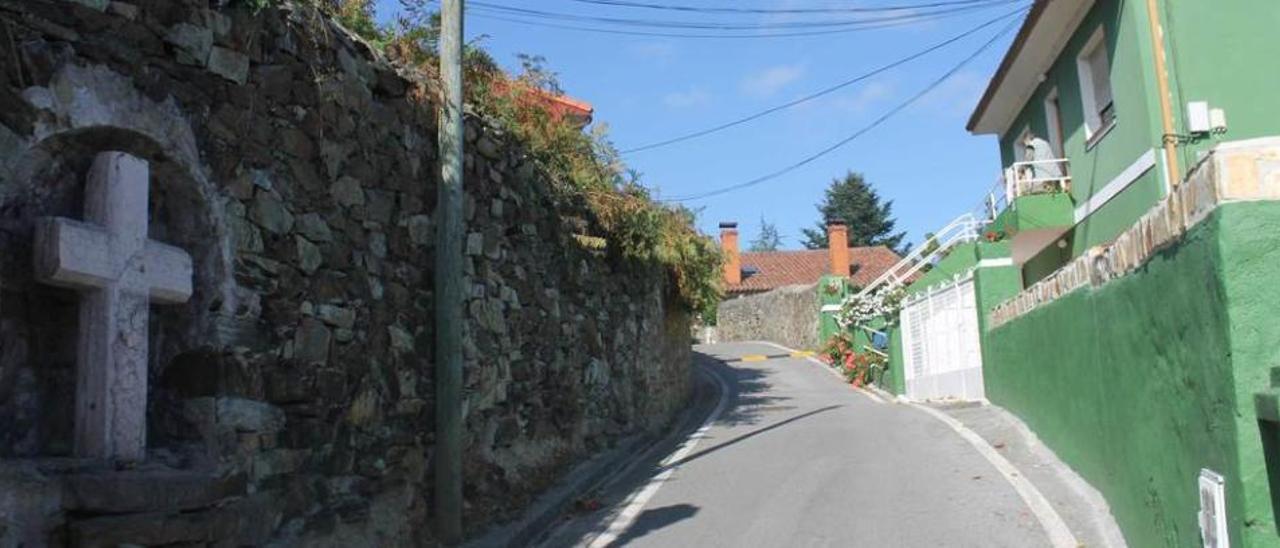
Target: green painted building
<point>1085,77</point>
<point>1161,361</point>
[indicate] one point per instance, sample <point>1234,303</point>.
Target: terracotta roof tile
<point>763,271</point>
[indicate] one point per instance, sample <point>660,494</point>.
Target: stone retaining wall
<point>787,315</point>
<point>291,399</point>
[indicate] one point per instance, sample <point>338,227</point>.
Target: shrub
<point>858,368</point>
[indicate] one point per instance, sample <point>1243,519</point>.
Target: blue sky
<point>652,88</point>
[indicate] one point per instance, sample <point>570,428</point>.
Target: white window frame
<point>1093,125</point>
<point>1053,122</point>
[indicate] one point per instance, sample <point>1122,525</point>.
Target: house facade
<point>779,295</point>
<point>1127,97</point>
<point>1123,272</point>
<point>752,272</point>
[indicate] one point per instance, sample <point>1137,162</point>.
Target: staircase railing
<point>965,228</point>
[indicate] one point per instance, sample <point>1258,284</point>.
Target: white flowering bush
<point>884,302</point>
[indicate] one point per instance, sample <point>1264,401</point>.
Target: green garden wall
<point>1138,384</point>
<point>1249,251</point>
<point>827,326</point>
<point>897,381</point>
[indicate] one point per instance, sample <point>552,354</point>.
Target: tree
<point>870,221</point>
<point>534,71</point>
<point>768,238</point>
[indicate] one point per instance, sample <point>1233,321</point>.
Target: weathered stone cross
<point>109,258</point>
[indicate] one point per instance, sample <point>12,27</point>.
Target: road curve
<point>796,458</point>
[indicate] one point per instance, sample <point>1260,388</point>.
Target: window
<point>1053,121</point>
<point>1095,86</point>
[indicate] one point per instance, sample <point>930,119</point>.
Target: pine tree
<point>870,221</point>
<point>768,239</point>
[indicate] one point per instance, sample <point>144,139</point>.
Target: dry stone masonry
<point>215,293</point>
<point>787,315</point>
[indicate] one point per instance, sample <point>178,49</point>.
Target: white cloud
<point>865,96</point>
<point>659,52</point>
<point>692,97</point>
<point>771,80</point>
<point>959,94</point>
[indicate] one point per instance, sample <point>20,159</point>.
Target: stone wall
<point>291,398</point>
<point>787,315</point>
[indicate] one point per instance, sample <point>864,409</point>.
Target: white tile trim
<point>995,263</point>
<point>1117,185</point>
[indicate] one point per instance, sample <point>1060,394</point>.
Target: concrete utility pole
<point>448,282</point>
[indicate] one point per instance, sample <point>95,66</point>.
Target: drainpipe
<point>1169,138</point>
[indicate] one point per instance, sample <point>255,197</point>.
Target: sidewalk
<point>1081,506</point>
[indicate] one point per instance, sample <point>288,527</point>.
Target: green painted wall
<point>1044,263</point>
<point>1251,262</point>
<point>961,259</point>
<point>897,382</point>
<point>1225,53</point>
<point>1119,213</point>
<point>1142,382</point>
<point>1038,211</point>
<point>827,326</point>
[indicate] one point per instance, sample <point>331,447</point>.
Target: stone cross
<point>119,271</point>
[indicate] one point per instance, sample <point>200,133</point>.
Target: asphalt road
<point>797,458</point>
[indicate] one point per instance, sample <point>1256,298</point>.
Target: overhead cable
<point>820,93</point>
<point>862,131</point>
<point>702,9</point>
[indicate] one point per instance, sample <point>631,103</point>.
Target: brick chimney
<point>732,261</point>
<point>838,246</point>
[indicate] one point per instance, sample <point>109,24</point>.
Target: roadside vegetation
<point>584,166</point>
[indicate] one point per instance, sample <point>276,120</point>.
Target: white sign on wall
<point>1213,510</point>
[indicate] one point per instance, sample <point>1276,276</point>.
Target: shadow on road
<point>752,434</point>
<point>655,519</point>
<point>749,402</point>
<point>748,391</point>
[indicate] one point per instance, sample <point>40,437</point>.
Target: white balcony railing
<point>1037,177</point>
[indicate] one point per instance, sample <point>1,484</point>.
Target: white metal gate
<point>941,343</point>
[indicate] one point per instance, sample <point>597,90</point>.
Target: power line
<point>622,32</point>
<point>827,91</point>
<point>698,9</point>
<point>864,130</point>
<point>708,25</point>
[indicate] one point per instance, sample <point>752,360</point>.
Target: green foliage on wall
<point>583,168</point>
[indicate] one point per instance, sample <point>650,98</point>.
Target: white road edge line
<point>827,368</point>
<point>635,503</point>
<point>1059,534</point>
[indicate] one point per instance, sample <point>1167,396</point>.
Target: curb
<point>1060,536</point>
<point>875,394</point>
<point>541,517</point>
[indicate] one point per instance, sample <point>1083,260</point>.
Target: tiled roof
<point>774,269</point>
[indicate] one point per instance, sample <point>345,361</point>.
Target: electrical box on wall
<point>1198,117</point>
<point>1213,510</point>
<point>1218,120</point>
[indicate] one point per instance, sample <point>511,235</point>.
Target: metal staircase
<point>965,228</point>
